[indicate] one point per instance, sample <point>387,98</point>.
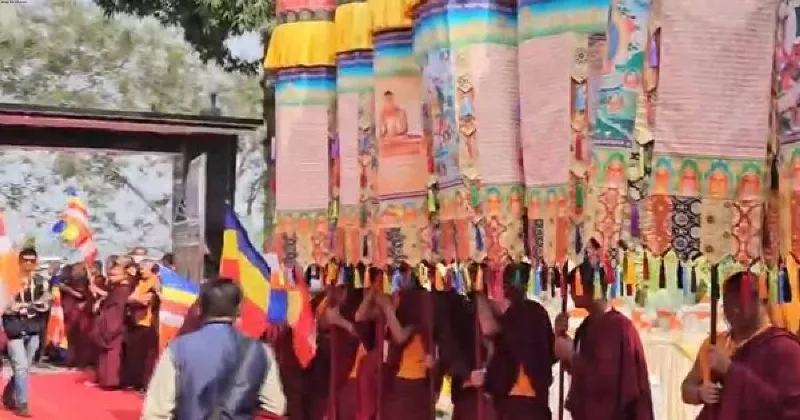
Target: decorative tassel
<point>457,280</point>
<point>387,285</point>
<point>478,237</point>
<point>645,267</point>
<point>342,278</point>
<point>635,229</point>
<point>578,240</point>
<point>578,283</point>
<point>553,277</point>
<point>746,288</point>
<point>536,278</point>
<point>763,289</point>
<point>625,271</point>
<point>479,287</point>
<point>679,275</point>
<point>422,276</point>
<point>662,276</point>
<point>431,201</point>
<point>365,248</point>
<point>368,277</point>
<point>330,274</point>
<point>597,284</point>
<point>773,286</point>
<point>615,286</point>
<point>787,287</point>
<point>357,277</point>
<point>693,280</point>
<point>467,278</point>
<point>475,196</point>
<point>544,277</point>
<point>439,276</point>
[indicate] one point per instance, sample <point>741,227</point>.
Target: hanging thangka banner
<point>357,153</point>
<point>787,123</point>
<point>468,55</point>
<point>617,149</point>
<point>711,140</point>
<point>301,54</point>
<point>403,229</point>
<point>553,119</point>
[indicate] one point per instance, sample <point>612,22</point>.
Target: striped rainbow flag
<point>9,267</point>
<point>177,296</point>
<point>74,227</point>
<point>56,330</point>
<point>270,297</point>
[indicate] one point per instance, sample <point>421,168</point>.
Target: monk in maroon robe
<point>408,391</point>
<point>606,360</point>
<point>141,333</point>
<point>520,369</point>
<point>354,366</point>
<point>109,329</point>
<point>76,299</point>
<point>753,370</point>
<point>458,329</point>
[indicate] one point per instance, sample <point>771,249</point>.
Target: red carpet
<point>65,397</point>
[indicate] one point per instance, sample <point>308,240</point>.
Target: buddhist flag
<point>56,330</point>
<point>274,298</point>
<point>177,296</point>
<point>74,227</point>
<point>9,267</point>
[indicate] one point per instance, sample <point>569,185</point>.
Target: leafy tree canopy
<point>206,24</point>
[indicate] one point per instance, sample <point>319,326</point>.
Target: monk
<point>355,362</point>
<point>520,370</point>
<point>458,327</point>
<point>141,336</point>
<point>109,329</point>
<point>406,392</point>
<point>753,371</point>
<point>606,360</point>
<point>77,301</point>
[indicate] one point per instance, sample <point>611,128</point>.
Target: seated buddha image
<point>394,120</point>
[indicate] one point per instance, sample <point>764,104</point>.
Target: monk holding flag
<point>606,360</point>
<point>753,371</point>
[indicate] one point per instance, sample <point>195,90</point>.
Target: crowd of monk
<point>382,356</point>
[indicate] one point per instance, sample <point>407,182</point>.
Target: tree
<point>207,24</point>
<point>69,53</point>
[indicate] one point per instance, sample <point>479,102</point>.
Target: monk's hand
<point>719,360</point>
<point>561,324</point>
<point>564,349</point>
<point>476,377</point>
<point>709,393</point>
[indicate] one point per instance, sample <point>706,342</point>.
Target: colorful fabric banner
<point>357,152</point>
<point>621,139</point>
<point>56,334</point>
<point>301,55</point>
<point>402,231</point>
<point>468,56</point>
<point>74,227</point>
<point>9,267</point>
<point>554,120</point>
<point>268,297</point>
<point>709,155</point>
<point>177,296</point>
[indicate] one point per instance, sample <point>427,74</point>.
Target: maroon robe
<point>78,319</point>
<point>525,340</point>
<point>456,325</point>
<point>404,399</point>
<point>141,344</point>
<point>763,381</point>
<point>355,397</point>
<point>108,333</point>
<point>609,371</point>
